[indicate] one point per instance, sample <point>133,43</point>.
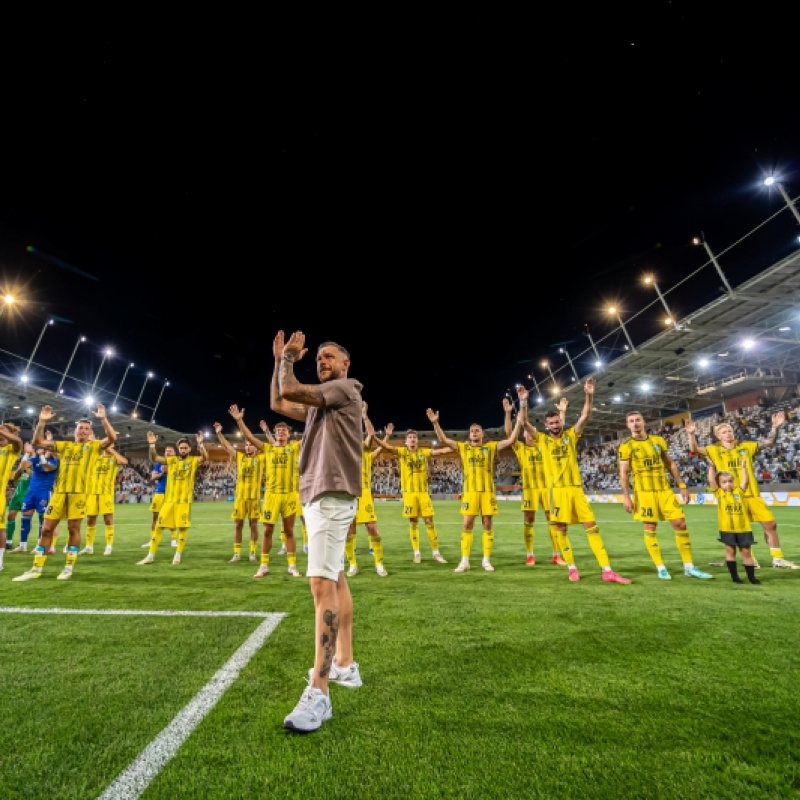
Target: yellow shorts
<point>99,504</point>
<point>3,506</point>
<point>417,504</point>
<point>366,509</point>
<point>534,499</point>
<point>247,508</point>
<point>474,504</point>
<point>156,502</point>
<point>66,505</point>
<point>279,505</point>
<point>758,510</point>
<point>569,506</point>
<point>175,515</point>
<point>656,506</point>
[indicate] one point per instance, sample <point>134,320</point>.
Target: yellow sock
<point>350,549</point>
<point>566,547</point>
<point>684,546</point>
<point>776,552</point>
<point>377,549</point>
<point>598,548</point>
<point>283,538</point>
<point>155,540</point>
<point>488,541</point>
<point>529,532</point>
<point>653,547</point>
<point>237,548</point>
<point>291,559</point>
<point>466,543</point>
<point>91,532</point>
<point>53,541</point>
<point>183,535</point>
<point>433,537</point>
<point>72,555</point>
<point>413,532</point>
<point>253,546</point>
<point>109,535</point>
<point>554,540</point>
<point>40,557</point>
<point>265,559</point>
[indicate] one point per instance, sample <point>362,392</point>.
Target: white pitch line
<point>135,613</point>
<point>133,780</point>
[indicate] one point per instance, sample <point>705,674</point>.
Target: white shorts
<point>328,519</point>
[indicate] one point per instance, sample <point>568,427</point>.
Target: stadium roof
<point>744,341</point>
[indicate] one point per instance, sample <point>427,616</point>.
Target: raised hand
<point>689,426</point>
<point>508,406</point>
<point>778,418</point>
<point>523,394</point>
<point>218,427</point>
<point>389,428</point>
<point>101,411</point>
<point>151,437</point>
<point>200,437</point>
<point>588,387</point>
<point>294,347</point>
<point>562,404</point>
<point>46,413</point>
<point>235,412</point>
<point>263,425</point>
<point>433,416</point>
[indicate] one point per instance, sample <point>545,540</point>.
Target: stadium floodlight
<point>651,281</point>
<point>784,328</point>
<point>540,400</point>
<point>8,301</point>
<point>141,392</point>
<point>24,378</point>
<point>702,240</point>
<point>617,398</point>
<point>773,181</point>
<point>748,344</point>
<point>89,400</point>
<point>29,411</point>
<point>569,361</point>
<point>645,386</point>
<point>613,310</point>
<point>35,348</point>
<point>155,407</point>
<point>703,362</point>
<point>598,363</point>
<point>546,365</point>
<point>119,388</point>
<point>107,353</point>
<point>59,390</point>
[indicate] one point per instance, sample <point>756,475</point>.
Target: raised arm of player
<point>226,445</point>
<point>287,395</point>
<point>586,411</point>
<point>433,416</point>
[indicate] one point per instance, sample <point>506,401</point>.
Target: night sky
<point>451,198</point>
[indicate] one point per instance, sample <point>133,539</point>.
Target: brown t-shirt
<point>330,453</point>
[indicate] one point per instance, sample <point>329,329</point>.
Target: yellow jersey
<point>181,473</point>
<point>283,474</point>
<point>645,457</point>
<point>560,456</point>
<point>478,465</point>
<point>731,512</point>
<point>249,475</point>
<point>531,462</point>
<point>8,457</point>
<point>74,466</point>
<point>366,470</point>
<point>730,460</point>
<point>103,474</point>
<point>414,469</point>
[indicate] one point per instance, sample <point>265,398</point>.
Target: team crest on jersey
<point>743,453</point>
<point>565,440</point>
<point>736,497</point>
<point>657,447</point>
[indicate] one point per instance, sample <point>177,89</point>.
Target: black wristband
<point>288,358</point>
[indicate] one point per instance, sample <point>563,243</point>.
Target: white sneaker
<point>109,549</point>
<point>176,559</point>
<point>353,571</point>
<point>87,551</point>
<point>417,557</point>
<point>173,543</point>
<point>381,570</point>
<point>148,559</point>
<point>305,548</point>
<point>313,708</point>
<point>294,572</point>
<point>65,574</point>
<point>20,548</point>
<point>777,563</point>
<point>282,551</point>
<point>343,676</point>
<point>252,557</point>
<point>438,557</point>
<point>29,575</point>
<point>262,571</point>
<point>236,557</point>
<point>463,566</point>
<point>486,564</point>
<point>146,546</point>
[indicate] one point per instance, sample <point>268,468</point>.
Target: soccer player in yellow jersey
<point>478,493</point>
<point>160,475</point>
<point>535,494</point>
<point>365,513</point>
<point>568,503</point>
<point>176,512</point>
<point>247,494</point>
<point>725,455</point>
<point>646,458</point>
<point>735,528</point>
<point>10,449</point>
<point>100,498</point>
<point>68,500</point>
<point>282,491</point>
<point>417,502</point>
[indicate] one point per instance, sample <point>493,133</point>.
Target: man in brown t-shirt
<point>330,484</point>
